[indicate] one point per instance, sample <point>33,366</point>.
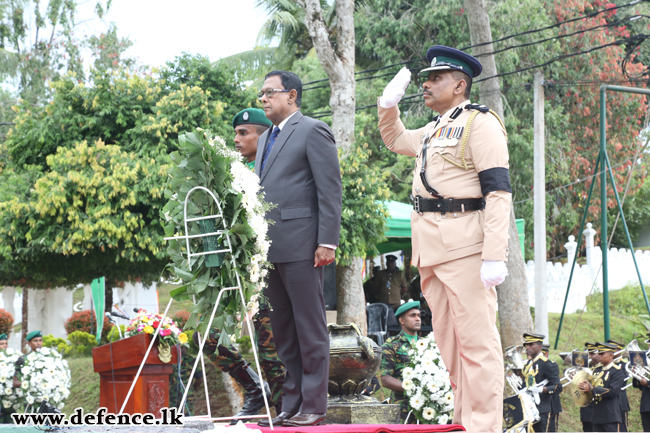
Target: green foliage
<point>245,345</point>
<point>81,344</point>
<point>364,214</point>
<point>114,335</point>
<point>60,344</point>
<point>84,173</point>
<point>627,302</point>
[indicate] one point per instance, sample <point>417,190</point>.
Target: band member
<point>625,403</point>
<point>608,379</point>
<point>461,198</point>
<point>587,412</point>
<point>556,404</point>
<point>644,408</point>
<point>537,369</point>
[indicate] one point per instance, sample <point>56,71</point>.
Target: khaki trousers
<point>464,325</point>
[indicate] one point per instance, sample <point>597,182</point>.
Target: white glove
<point>395,89</point>
<point>493,273</point>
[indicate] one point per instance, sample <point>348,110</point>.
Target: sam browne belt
<point>421,204</point>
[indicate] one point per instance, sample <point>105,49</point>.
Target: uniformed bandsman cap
<point>591,347</point>
<point>3,336</point>
<point>530,338</point>
<point>33,334</point>
<point>546,347</point>
<point>391,258</point>
<point>251,116</point>
<point>408,306</point>
<point>616,343</point>
<point>607,347</point>
<point>442,58</point>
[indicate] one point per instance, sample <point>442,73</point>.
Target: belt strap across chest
<point>421,204</point>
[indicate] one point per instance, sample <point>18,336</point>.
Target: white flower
<point>421,345</point>
<point>443,419</point>
<point>8,391</point>
<point>428,413</point>
<point>408,384</point>
<point>408,373</point>
<point>30,399</point>
<point>6,404</point>
<point>10,351</point>
<point>417,401</point>
<point>24,385</point>
<point>449,398</point>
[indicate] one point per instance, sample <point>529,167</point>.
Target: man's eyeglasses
<point>270,92</point>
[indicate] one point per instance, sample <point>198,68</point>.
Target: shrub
<point>245,345</point>
<point>81,344</point>
<point>56,343</point>
<point>114,334</point>
<point>81,321</point>
<point>6,322</point>
<point>180,318</point>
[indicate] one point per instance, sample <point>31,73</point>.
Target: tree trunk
<point>514,312</point>
<point>350,308</point>
<point>339,66</point>
<point>23,340</point>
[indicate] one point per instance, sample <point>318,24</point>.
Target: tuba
<point>637,364</point>
<point>579,361</point>
<point>514,363</point>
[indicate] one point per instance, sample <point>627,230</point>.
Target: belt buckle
<point>416,204</point>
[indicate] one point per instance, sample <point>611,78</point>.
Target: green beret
<point>408,306</point>
<point>254,116</point>
<point>3,336</point>
<point>33,334</point>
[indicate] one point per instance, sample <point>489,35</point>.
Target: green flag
<point>97,288</point>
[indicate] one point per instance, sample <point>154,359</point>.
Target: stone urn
<point>354,360</point>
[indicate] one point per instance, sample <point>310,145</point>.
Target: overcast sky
<point>163,29</point>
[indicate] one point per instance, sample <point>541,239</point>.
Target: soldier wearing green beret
<point>395,354</point>
<point>4,342</point>
<point>249,124</point>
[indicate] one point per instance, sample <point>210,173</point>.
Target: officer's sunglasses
<point>270,92</point>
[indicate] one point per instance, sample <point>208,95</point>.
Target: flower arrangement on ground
<point>205,160</point>
<point>8,395</point>
<point>427,385</point>
<point>147,323</point>
<point>45,375</point>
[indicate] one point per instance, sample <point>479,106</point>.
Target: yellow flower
<point>182,337</point>
<point>148,329</point>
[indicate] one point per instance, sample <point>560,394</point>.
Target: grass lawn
<point>163,299</point>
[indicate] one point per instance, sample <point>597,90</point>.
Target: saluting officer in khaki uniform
<point>461,192</point>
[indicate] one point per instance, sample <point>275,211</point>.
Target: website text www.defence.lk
<point>168,416</point>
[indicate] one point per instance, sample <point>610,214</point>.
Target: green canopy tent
<point>398,228</point>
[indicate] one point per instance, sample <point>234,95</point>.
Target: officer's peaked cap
<point>442,58</point>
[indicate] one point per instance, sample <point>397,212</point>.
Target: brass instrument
<point>578,363</point>
<point>514,363</point>
<point>581,398</point>
<point>637,364</point>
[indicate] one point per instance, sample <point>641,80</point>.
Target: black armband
<point>494,179</point>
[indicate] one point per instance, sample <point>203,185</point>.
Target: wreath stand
<point>238,287</point>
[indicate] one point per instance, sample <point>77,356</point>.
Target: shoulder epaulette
<point>479,107</point>
<point>616,366</point>
<point>543,358</point>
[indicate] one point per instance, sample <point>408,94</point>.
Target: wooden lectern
<point>117,364</point>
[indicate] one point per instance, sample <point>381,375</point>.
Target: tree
<point>514,317</point>
<point>86,171</point>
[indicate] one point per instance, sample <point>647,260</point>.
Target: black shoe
<point>277,421</point>
<point>254,400</point>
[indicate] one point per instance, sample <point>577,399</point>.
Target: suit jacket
<point>302,179</point>
<point>440,238</point>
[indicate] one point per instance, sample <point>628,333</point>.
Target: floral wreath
<point>205,160</point>
<point>427,383</point>
<point>45,375</point>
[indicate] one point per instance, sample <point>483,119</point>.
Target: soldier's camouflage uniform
<point>394,360</point>
<point>228,358</point>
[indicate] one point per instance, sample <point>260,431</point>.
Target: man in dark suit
<point>299,170</point>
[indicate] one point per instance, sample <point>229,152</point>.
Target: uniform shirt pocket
<point>295,213</point>
<point>460,232</point>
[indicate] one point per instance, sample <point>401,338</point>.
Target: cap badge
<point>434,61</point>
<point>245,116</point>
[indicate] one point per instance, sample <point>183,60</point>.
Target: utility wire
<point>635,2</point>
